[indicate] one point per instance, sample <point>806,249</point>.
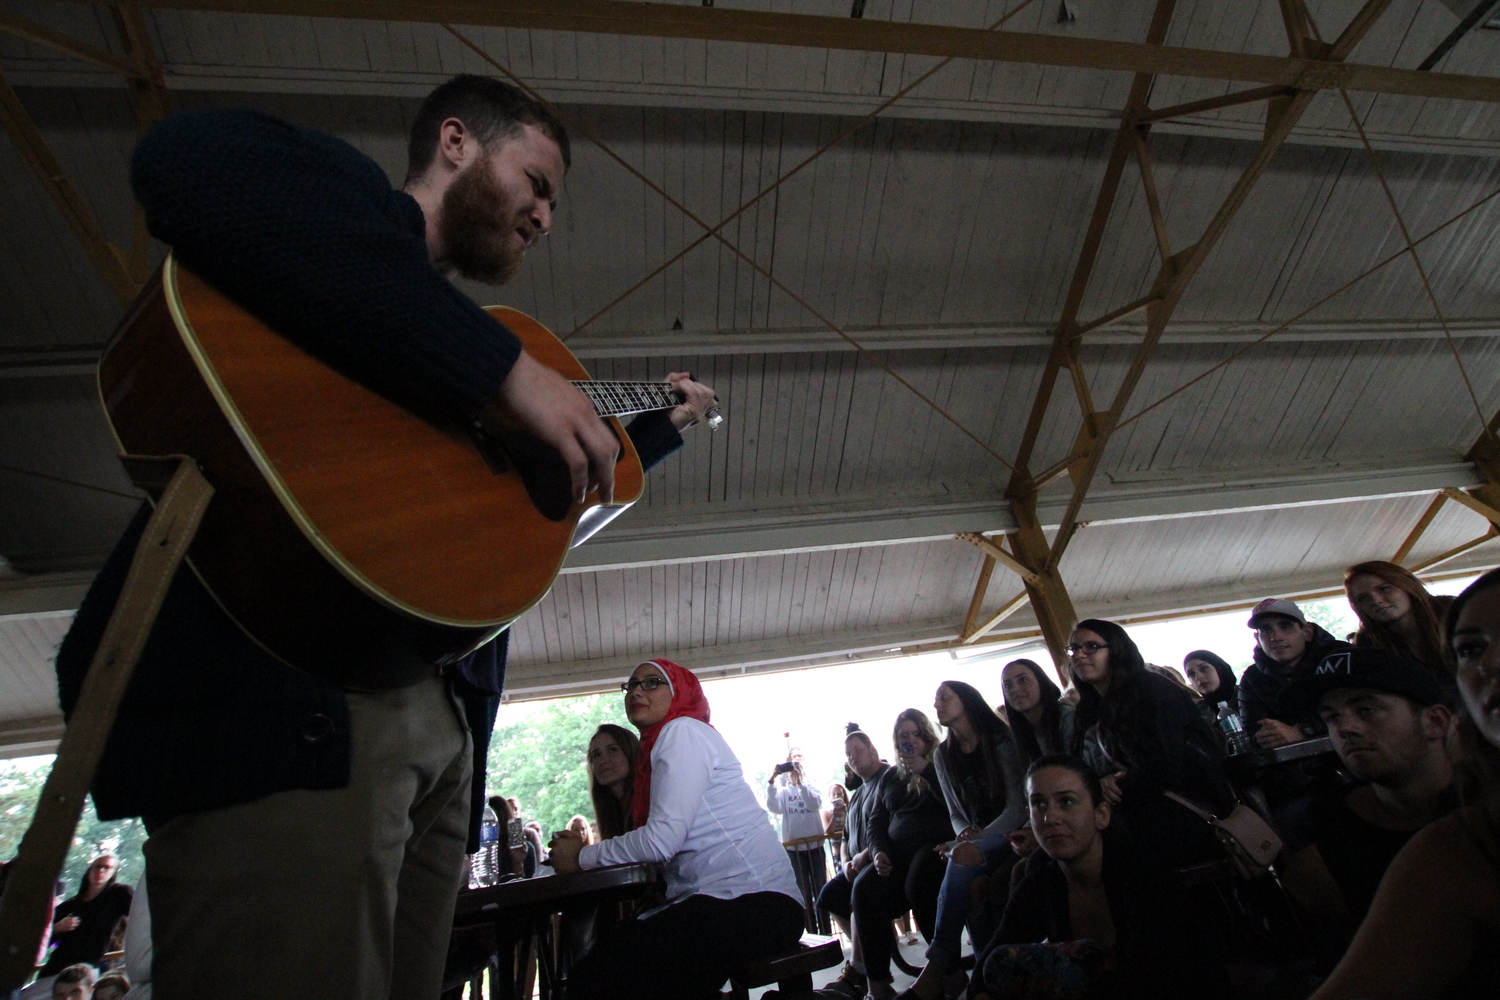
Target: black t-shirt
<point>97,918</point>
<point>972,778</point>
<point>1355,851</point>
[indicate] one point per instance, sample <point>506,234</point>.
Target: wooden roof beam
<point>622,17</point>
<point>33,148</point>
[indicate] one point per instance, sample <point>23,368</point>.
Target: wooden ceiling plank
<point>621,17</point>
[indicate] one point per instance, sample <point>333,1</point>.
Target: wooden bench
<point>792,973</point>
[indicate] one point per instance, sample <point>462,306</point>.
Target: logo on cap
<point>1336,663</point>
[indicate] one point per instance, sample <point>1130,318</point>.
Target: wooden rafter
<point>1177,273</point>
<point>994,551</point>
<point>1237,99</point>
<point>660,20</point>
<point>1294,18</point>
<point>1419,529</point>
<point>973,633</point>
<point>56,40</point>
<point>33,148</point>
<point>1456,551</point>
<point>1475,504</point>
<point>981,588</point>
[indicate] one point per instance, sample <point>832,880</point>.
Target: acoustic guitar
<point>347,536</point>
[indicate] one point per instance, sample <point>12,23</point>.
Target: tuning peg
<point>713,418</point>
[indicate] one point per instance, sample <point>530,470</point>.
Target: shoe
<point>850,985</point>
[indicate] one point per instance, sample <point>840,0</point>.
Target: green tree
<point>1332,614</point>
<point>21,786</point>
<point>540,759</point>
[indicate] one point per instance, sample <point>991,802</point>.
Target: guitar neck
<point>616,399</point>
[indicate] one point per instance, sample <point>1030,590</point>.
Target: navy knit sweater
<point>307,233</point>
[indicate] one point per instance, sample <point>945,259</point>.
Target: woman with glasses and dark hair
<point>1430,927</point>
<point>1039,721</point>
<point>980,771</point>
<point>908,820</point>
<point>1145,736</point>
<point>731,895</point>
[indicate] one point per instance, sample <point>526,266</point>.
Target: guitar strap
<point>182,496</point>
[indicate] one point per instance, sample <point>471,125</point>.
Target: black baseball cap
<point>1364,667</point>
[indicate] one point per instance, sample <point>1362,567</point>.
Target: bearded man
<point>307,840</point>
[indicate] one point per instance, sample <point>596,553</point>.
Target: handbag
<point>1249,840</point>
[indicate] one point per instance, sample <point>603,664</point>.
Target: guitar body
<point>348,537</point>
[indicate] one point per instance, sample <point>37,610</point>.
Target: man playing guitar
<point>306,840</point>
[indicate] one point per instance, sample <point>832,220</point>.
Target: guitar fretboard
<point>615,399</point>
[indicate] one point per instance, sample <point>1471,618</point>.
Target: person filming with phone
<point>800,807</point>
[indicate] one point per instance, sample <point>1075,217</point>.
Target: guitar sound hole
<point>543,471</point>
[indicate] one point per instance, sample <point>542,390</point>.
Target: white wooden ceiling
<point>817,524</point>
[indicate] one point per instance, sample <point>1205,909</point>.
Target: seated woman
<point>835,814</point>
<point>1039,721</point>
<point>1430,928</point>
<point>1214,681</point>
<point>1397,614</point>
<point>512,860</point>
<point>611,765</point>
<point>1113,926</point>
<point>983,780</point>
<point>908,820</point>
<point>1145,736</point>
<point>731,894</point>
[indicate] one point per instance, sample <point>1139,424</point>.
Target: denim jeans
<point>953,903</point>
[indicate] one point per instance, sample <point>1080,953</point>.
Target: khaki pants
<point>344,894</point>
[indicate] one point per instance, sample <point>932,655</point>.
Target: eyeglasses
<point>1087,648</point>
<point>645,684</point>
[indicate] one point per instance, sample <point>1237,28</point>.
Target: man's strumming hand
<point>554,412</point>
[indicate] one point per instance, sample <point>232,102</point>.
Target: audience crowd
<point>1089,839</point>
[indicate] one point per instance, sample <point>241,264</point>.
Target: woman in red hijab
<point>731,894</point>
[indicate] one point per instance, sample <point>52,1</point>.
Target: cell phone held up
<point>515,833</point>
<point>786,767</point>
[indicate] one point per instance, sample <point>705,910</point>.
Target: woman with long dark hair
<point>1430,927</point>
<point>1039,721</point>
<point>1397,614</point>
<point>611,766</point>
<point>1146,738</point>
<point>731,895</point>
<point>980,771</point>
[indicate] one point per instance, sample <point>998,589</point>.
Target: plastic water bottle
<point>1234,729</point>
<point>484,868</point>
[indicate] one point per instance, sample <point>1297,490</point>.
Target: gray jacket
<point>857,816</point>
<point>1014,813</point>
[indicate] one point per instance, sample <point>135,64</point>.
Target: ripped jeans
<point>954,909</point>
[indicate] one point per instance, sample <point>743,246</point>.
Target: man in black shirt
<point>1287,648</point>
<point>82,925</point>
<point>1388,721</point>
<point>306,840</point>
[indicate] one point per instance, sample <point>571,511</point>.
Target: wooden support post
<point>1046,591</point>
